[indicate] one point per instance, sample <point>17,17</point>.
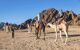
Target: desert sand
<point>27,41</point>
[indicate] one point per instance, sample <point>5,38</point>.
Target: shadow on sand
<point>73,35</point>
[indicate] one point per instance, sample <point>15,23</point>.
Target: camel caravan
<point>58,20</point>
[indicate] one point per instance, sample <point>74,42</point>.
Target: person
<point>7,28</point>
<point>12,30</point>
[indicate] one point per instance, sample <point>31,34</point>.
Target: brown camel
<point>46,16</point>
<point>73,16</point>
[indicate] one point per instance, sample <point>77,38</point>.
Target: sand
<point>27,41</point>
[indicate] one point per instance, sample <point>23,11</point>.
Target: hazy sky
<point>17,11</point>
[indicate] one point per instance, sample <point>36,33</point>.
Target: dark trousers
<point>12,33</point>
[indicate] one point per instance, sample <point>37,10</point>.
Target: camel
<point>37,27</point>
<point>45,17</point>
<point>60,26</point>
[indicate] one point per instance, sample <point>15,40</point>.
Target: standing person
<point>7,28</point>
<point>12,30</point>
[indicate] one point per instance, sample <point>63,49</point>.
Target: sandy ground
<point>27,41</point>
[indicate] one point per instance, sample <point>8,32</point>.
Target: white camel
<point>60,27</point>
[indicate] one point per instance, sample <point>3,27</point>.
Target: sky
<point>17,11</point>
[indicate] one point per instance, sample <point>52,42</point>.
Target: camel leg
<point>56,36</point>
<point>37,35</point>
<point>44,35</point>
<point>31,29</point>
<point>61,36</point>
<point>56,33</point>
<point>44,32</point>
<point>66,33</point>
<point>37,32</point>
<point>66,37</point>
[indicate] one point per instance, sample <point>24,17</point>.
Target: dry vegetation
<point>27,41</point>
